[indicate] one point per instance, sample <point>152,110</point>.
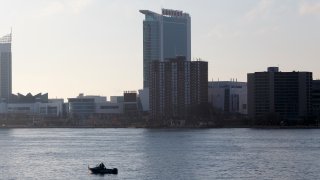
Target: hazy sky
<point>66,47</point>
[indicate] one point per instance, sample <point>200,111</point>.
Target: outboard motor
<point>114,171</point>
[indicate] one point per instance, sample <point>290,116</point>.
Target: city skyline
<point>71,47</point>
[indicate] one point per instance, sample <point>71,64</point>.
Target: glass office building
<point>5,68</point>
<point>165,35</point>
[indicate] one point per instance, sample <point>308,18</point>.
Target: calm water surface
<point>160,154</point>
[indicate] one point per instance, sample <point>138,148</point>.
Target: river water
<point>161,153</point>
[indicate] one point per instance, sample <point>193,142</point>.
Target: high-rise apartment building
<point>165,35</point>
<point>316,99</point>
<point>5,68</point>
<point>275,96</point>
<point>176,88</point>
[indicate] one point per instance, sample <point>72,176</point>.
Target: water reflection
<point>160,154</point>
<point>169,154</point>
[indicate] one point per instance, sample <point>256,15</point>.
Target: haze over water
<point>160,154</point>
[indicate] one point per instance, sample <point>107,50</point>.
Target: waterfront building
<point>280,97</point>
<point>176,88</point>
<point>144,99</point>
<point>29,105</point>
<point>228,96</point>
<point>29,98</point>
<point>316,99</point>
<point>95,97</point>
<point>116,99</point>
<point>130,104</point>
<point>5,68</point>
<point>165,35</point>
<point>84,107</point>
<point>81,108</point>
<point>108,108</point>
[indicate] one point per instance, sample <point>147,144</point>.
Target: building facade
<point>116,99</point>
<point>5,68</point>
<point>316,99</point>
<point>130,104</point>
<point>165,35</point>
<point>86,107</point>
<point>81,108</point>
<point>32,105</point>
<point>279,96</point>
<point>144,99</point>
<point>228,96</point>
<point>176,87</point>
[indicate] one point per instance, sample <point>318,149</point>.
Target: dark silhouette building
<point>177,88</point>
<point>130,104</point>
<point>276,97</point>
<point>316,99</point>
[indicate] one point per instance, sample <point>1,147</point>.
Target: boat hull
<point>103,171</point>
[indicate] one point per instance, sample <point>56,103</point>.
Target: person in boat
<point>102,166</point>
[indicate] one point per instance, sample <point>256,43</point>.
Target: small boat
<point>101,169</point>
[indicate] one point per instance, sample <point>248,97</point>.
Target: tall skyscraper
<point>5,68</point>
<point>177,87</point>
<point>165,35</point>
<point>275,96</point>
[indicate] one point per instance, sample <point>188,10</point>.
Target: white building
<point>88,106</point>
<point>52,108</point>
<point>95,97</point>
<point>109,108</point>
<point>228,96</point>
<point>116,99</point>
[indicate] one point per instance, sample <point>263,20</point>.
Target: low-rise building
<point>84,107</point>
<point>228,96</point>
<point>144,99</point>
<point>116,99</point>
<point>108,108</point>
<point>279,97</point>
<point>130,104</point>
<point>33,105</point>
